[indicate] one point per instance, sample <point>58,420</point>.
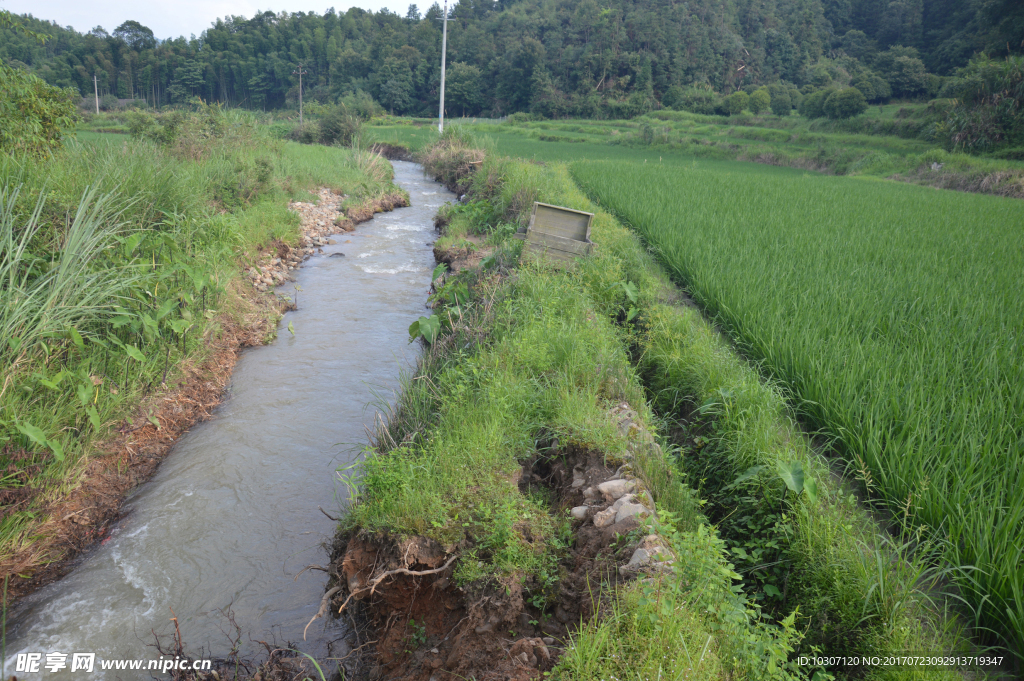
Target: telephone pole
<point>301,73</point>
<point>96,91</point>
<point>444,47</point>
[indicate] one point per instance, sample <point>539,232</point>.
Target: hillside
<point>555,57</point>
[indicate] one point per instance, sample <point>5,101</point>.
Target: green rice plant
<point>889,315</point>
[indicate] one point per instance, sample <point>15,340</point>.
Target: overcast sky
<point>171,18</point>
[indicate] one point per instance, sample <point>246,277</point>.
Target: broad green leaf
<point>32,433</point>
<point>746,475</point>
<point>630,290</point>
<point>134,352</point>
<point>438,271</point>
<point>179,325</point>
<point>792,474</point>
<point>430,328</point>
<point>166,308</point>
<point>811,488</point>
<point>94,417</point>
<point>84,392</point>
<point>291,328</point>
<point>57,449</point>
<point>132,242</point>
<point>414,331</point>
<point>772,591</point>
<point>76,338</point>
<point>54,383</point>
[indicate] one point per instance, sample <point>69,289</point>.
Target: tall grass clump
<point>889,315</point>
<point>46,299</point>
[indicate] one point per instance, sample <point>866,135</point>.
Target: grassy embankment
<point>528,370</point>
<point>890,315</point>
<point>120,292</point>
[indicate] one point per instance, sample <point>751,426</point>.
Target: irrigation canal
<point>231,515</point>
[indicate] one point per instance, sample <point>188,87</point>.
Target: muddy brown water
<point>231,515</point>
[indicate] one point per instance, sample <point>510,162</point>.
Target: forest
<point>554,58</point>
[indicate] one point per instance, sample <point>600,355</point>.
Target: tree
<point>760,101</point>
<point>782,105</point>
<point>516,74</point>
<point>903,70</point>
<point>394,84</point>
<point>856,43</point>
<point>813,105</point>
<point>463,88</point>
<point>845,103</point>
<point>737,102</point>
<point>908,77</point>
<point>135,35</point>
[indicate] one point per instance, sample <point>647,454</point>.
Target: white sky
<point>169,19</point>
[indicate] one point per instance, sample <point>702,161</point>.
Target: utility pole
<point>96,91</point>
<point>301,73</point>
<point>444,47</point>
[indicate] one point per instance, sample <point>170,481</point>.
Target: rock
<point>650,554</point>
<point>485,628</point>
<point>548,641</point>
<point>604,518</point>
<point>590,493</point>
<point>580,512</point>
<point>331,242</point>
<point>337,255</point>
<point>562,615</point>
<point>614,489</point>
<point>639,558</point>
<point>629,510</point>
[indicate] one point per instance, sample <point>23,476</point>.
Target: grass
<point>893,143</point>
<point>120,263</point>
<point>849,589</point>
<point>830,548</point>
<point>888,313</point>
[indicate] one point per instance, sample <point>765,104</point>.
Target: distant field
<point>893,314</point>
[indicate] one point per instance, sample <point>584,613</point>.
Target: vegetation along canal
<point>231,517</point>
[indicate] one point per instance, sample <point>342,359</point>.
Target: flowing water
<point>231,515</point>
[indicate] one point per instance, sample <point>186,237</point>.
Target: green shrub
<point>34,116</point>
<point>339,127</point>
<point>813,105</point>
<point>760,101</point>
<point>782,105</point>
<point>139,123</point>
<point>737,102</point>
<point>845,103</point>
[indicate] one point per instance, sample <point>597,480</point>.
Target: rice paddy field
<point>892,315</point>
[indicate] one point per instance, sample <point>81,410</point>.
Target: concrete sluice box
<point>557,234</point>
